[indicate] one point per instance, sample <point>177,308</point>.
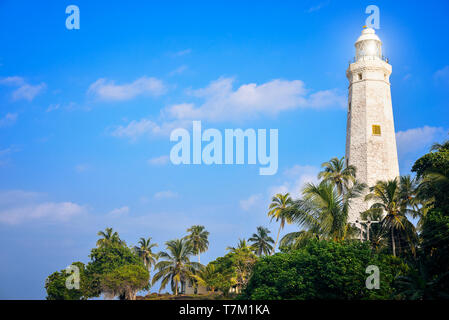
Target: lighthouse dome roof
<point>368,34</point>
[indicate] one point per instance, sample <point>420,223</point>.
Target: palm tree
<point>409,196</point>
<point>243,262</point>
<point>261,241</point>
<point>242,245</point>
<point>206,276</point>
<point>298,239</point>
<point>377,236</point>
<point>419,284</point>
<point>433,186</point>
<point>337,171</point>
<point>440,146</point>
<point>108,238</point>
<point>198,239</point>
<point>387,197</point>
<point>323,212</point>
<point>280,210</point>
<point>144,251</point>
<point>177,267</point>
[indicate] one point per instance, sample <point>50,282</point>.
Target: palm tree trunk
<point>199,258</point>
<point>393,245</point>
<point>277,238</point>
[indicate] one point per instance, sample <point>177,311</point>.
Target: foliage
<point>243,244</point>
<point>419,284</point>
<point>198,239</point>
<point>56,288</point>
<point>176,266</point>
<point>262,243</point>
<point>391,198</point>
<point>105,259</point>
<point>336,171</point>
<point>279,210</point>
<point>208,277</point>
<point>234,269</point>
<point>433,169</point>
<point>323,270</point>
<point>145,251</point>
<point>109,237</point>
<point>323,211</point>
<point>125,281</point>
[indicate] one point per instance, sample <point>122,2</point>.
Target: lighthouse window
<point>376,130</point>
<point>360,76</point>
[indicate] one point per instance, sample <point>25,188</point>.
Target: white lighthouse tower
<point>370,135</point>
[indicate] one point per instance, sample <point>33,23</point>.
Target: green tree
<point>105,259</point>
<point>241,245</point>
<point>433,170</point>
<point>339,173</point>
<point>279,210</point>
<point>387,197</point>
<point>234,269</point>
<point>419,284</point>
<point>125,281</point>
<point>261,241</point>
<point>208,277</point>
<point>324,269</point>
<point>225,273</point>
<point>109,237</point>
<point>145,251</point>
<point>323,212</point>
<point>176,267</point>
<point>56,287</point>
<point>198,238</point>
<point>434,249</point>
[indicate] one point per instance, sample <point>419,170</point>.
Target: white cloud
<point>8,120</point>
<point>417,139</point>
<point>25,91</point>
<point>28,92</point>
<point>165,195</point>
<point>108,90</point>
<point>5,153</point>
<point>142,127</point>
<point>13,81</point>
<point>119,212</point>
<point>296,178</point>
<point>178,70</point>
<point>407,76</point>
<point>222,102</point>
<point>158,161</point>
<point>317,7</point>
<point>53,107</point>
<point>18,206</point>
<point>442,74</point>
<point>182,53</point>
<point>251,202</point>
<point>326,98</point>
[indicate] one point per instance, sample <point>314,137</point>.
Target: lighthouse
<point>370,135</point>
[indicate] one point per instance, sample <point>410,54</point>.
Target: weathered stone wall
<point>369,103</point>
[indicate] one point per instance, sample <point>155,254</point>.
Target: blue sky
<point>85,115</point>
